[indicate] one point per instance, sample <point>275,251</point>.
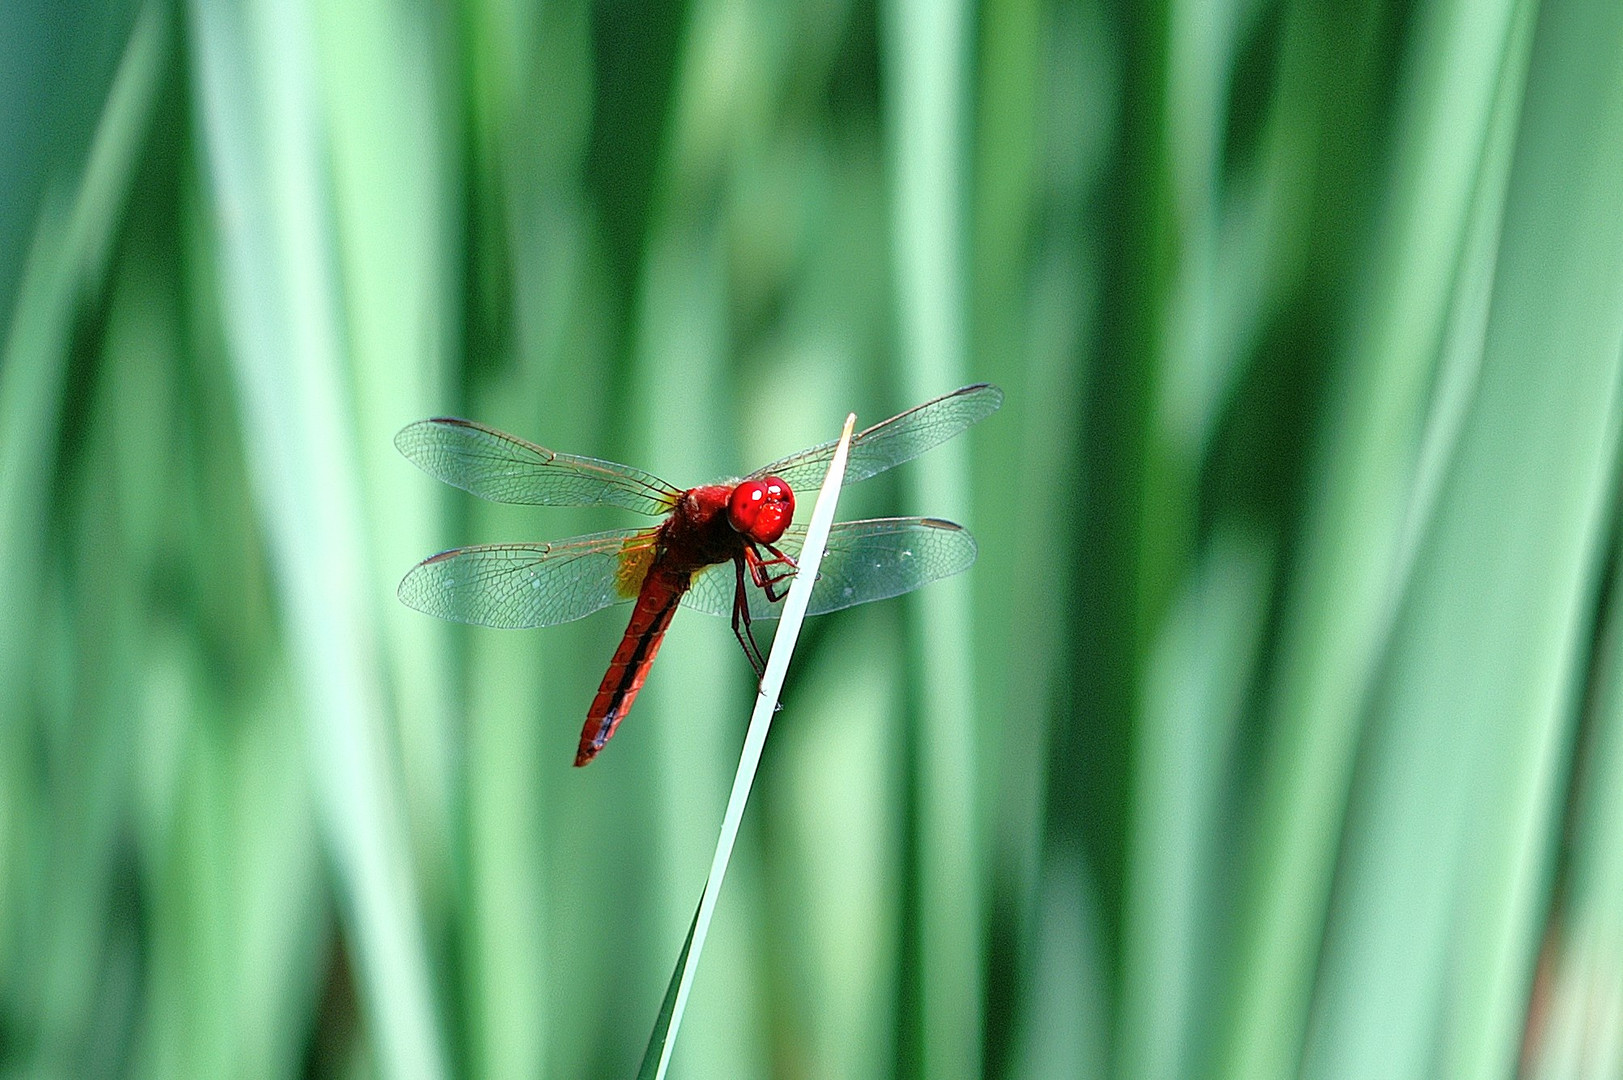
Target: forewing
<point>514,586</point>
<point>865,560</point>
<point>891,442</point>
<point>505,468</point>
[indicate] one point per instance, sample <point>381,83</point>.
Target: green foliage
<point>1276,733</point>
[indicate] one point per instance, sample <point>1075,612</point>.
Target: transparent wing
<point>504,468</point>
<point>865,560</point>
<point>891,442</point>
<point>514,586</point>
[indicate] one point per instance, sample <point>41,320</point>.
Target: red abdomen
<point>657,601</point>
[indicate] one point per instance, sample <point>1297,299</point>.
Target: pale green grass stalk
<point>1197,679</point>
<point>65,269</point>
<point>1449,849</point>
<point>1578,998</point>
<point>380,99</point>
<point>262,134</point>
<point>66,265</point>
<point>663,1038</point>
<point>1418,331</point>
<point>926,53</point>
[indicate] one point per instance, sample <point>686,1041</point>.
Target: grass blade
<point>1429,279</point>
<point>1197,677</point>
<point>65,265</point>
<point>653,1059</point>
<point>1453,829</point>
<point>261,133</point>
<point>766,703</point>
<point>66,260</point>
<point>926,54</point>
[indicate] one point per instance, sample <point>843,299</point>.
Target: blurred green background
<point>1277,732</point>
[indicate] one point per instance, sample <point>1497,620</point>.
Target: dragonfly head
<point>761,509</point>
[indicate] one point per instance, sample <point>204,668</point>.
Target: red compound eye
<point>761,509</point>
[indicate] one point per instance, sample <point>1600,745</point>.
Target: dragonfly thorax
<point>699,533</point>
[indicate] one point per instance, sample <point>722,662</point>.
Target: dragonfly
<point>725,548</point>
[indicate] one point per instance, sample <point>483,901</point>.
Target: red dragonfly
<point>725,548</point>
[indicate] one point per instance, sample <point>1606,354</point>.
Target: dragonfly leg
<point>782,559</point>
<point>768,582</point>
<point>741,623</point>
<point>779,558</point>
